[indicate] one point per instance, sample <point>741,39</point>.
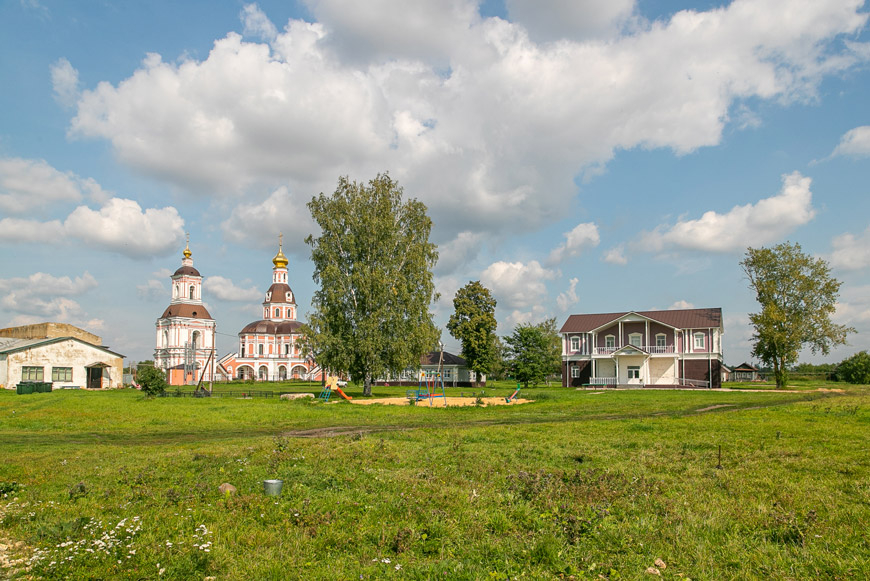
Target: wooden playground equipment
<point>332,385</point>
<point>428,388</point>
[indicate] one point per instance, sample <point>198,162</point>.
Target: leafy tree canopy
<point>473,324</point>
<point>797,295</point>
<point>152,380</point>
<point>855,369</point>
<point>533,351</point>
<point>373,261</point>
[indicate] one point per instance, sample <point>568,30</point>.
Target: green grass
<point>582,484</point>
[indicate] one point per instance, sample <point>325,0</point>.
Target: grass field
<point>576,484</point>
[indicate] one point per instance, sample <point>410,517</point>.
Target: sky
<point>575,156</point>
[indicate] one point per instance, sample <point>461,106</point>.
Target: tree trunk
<point>367,386</point>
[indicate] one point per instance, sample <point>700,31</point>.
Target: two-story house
<point>643,348</point>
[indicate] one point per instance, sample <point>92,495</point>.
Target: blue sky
<point>575,156</point>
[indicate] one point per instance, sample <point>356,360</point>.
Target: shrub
<point>855,369</point>
<point>152,380</point>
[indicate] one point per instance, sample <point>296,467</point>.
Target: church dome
<point>186,310</point>
<point>280,293</point>
<point>263,327</point>
<point>188,270</point>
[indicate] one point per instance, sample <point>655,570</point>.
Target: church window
<point>61,373</point>
<point>277,313</point>
<point>191,292</point>
<point>166,338</point>
<point>195,340</point>
<point>260,349</point>
<point>242,350</point>
<point>31,374</point>
<point>286,348</point>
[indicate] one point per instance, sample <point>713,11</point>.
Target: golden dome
<point>280,261</point>
<point>187,253</point>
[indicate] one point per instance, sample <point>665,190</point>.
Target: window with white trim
<point>635,339</point>
<point>575,372</point>
<point>575,343</point>
<point>31,373</point>
<point>610,342</point>
<point>661,340</point>
<point>634,372</point>
<point>699,340</point>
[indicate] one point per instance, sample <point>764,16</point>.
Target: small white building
<point>63,361</point>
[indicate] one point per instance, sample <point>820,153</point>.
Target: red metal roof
<point>678,319</point>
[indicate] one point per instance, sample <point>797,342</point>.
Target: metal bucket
<point>272,487</point>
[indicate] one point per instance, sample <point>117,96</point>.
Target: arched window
<point>191,292</point>
<point>194,339</point>
<point>264,374</point>
<point>166,338</point>
<point>282,373</point>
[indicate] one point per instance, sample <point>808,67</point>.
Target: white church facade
<point>270,349</point>
<point>186,331</point>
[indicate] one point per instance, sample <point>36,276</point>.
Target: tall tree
<point>373,261</point>
<point>797,295</point>
<point>554,347</point>
<point>473,324</point>
<point>531,352</point>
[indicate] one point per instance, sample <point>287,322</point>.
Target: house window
<point>661,341</point>
<point>575,372</point>
<point>633,372</point>
<point>610,342</point>
<point>61,373</point>
<point>31,374</point>
<point>635,339</point>
<point>575,343</point>
<point>699,340</point>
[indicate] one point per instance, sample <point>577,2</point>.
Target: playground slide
<point>342,394</point>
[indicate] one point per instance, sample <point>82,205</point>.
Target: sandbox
<point>441,401</point>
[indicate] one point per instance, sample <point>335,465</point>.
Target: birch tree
<point>798,296</point>
<point>373,262</point>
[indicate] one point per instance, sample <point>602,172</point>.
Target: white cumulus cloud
<point>517,285</point>
<point>485,124</point>
<point>226,290</point>
<point>583,236</point>
<point>615,255</point>
<point>855,143</point>
<point>261,223</point>
<point>65,82</point>
<point>756,224</point>
<point>122,226</point>
<point>26,184</point>
<point>45,296</point>
<point>568,298</point>
<point>851,252</point>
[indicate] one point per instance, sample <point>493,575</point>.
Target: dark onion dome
<point>187,311</point>
<point>187,270</point>
<point>271,327</point>
<point>277,293</point>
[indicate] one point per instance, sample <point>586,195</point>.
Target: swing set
<point>427,388</point>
